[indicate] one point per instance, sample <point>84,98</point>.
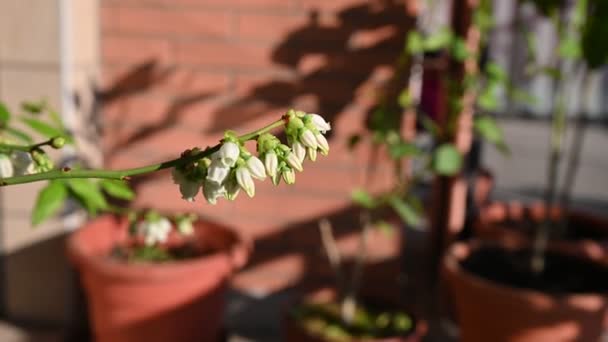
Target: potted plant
<point>530,289</point>
<point>148,276</point>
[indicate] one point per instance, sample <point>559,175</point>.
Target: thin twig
<point>331,249</point>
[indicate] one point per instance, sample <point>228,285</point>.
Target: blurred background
<point>139,81</point>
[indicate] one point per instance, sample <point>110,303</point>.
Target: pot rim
<point>462,250</point>
<point>236,255</point>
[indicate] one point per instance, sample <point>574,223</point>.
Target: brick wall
<point>176,73</point>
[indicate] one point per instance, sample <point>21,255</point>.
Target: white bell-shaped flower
<point>299,150</point>
<point>293,161</point>
<point>243,177</point>
<point>187,187</point>
<point>312,154</point>
<point>256,167</point>
<point>212,191</point>
<point>217,172</point>
<point>23,163</point>
<point>228,154</point>
<point>232,189</point>
<point>289,176</point>
<point>6,166</point>
<point>271,162</point>
<point>322,144</point>
<point>320,123</point>
<point>156,231</point>
<point>308,139</point>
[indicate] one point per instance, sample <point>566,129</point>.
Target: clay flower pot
<point>514,223</point>
<point>488,310</point>
<point>173,301</point>
<point>294,332</point>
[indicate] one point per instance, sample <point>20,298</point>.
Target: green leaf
<point>459,49</point>
<point>447,160</point>
<point>49,201</point>
<point>487,99</point>
<point>496,72</point>
<point>438,40</point>
<point>403,149</point>
<point>33,107</point>
<point>569,48</point>
<point>5,114</point>
<point>19,134</point>
<point>88,194</point>
<point>430,126</point>
<point>385,227</point>
<point>488,129</point>
<point>46,130</point>
<point>363,198</point>
<point>415,43</point>
<point>407,213</point>
<point>118,189</point>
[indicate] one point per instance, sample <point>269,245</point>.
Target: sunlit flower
<point>156,231</point>
<point>322,143</point>
<point>228,153</point>
<point>217,172</point>
<point>299,150</point>
<point>271,163</point>
<point>188,188</point>
<point>6,166</point>
<point>289,176</point>
<point>256,167</point>
<point>320,123</point>
<point>212,191</point>
<point>185,227</point>
<point>308,139</point>
<point>312,154</point>
<point>243,177</point>
<point>293,161</point>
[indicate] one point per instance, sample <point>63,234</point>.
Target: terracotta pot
<point>174,301</point>
<point>500,221</point>
<point>293,332</point>
<point>491,311</point>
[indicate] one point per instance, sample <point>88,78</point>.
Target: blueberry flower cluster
<point>232,167</point>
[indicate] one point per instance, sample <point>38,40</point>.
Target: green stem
<point>127,173</point>
<point>24,148</point>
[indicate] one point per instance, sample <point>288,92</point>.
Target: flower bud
<point>299,150</point>
<point>217,172</point>
<point>312,154</point>
<point>293,161</point>
<point>212,191</point>
<point>232,189</point>
<point>243,177</point>
<point>228,153</point>
<point>185,226</point>
<point>58,142</point>
<point>307,138</point>
<point>6,166</point>
<point>289,176</point>
<point>320,124</point>
<point>256,167</point>
<point>271,162</point>
<point>322,144</point>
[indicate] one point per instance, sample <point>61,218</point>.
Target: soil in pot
<point>498,298</point>
<point>321,321</point>
<point>562,273</point>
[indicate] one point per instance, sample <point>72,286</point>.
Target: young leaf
<point>404,99</point>
<point>33,107</point>
<point>447,161</point>
<point>487,127</point>
<point>415,43</point>
<point>118,189</point>
<point>407,213</point>
<point>430,126</point>
<point>5,114</point>
<point>49,201</point>
<point>363,198</point>
<point>496,72</point>
<point>403,149</point>
<point>459,49</point>
<point>438,40</point>
<point>46,129</point>
<point>488,100</point>
<point>88,194</point>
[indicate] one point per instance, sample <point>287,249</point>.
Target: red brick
<point>324,5</point>
<point>124,50</point>
<point>166,21</point>
<point>263,5</point>
<point>268,26</point>
<point>223,54</point>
